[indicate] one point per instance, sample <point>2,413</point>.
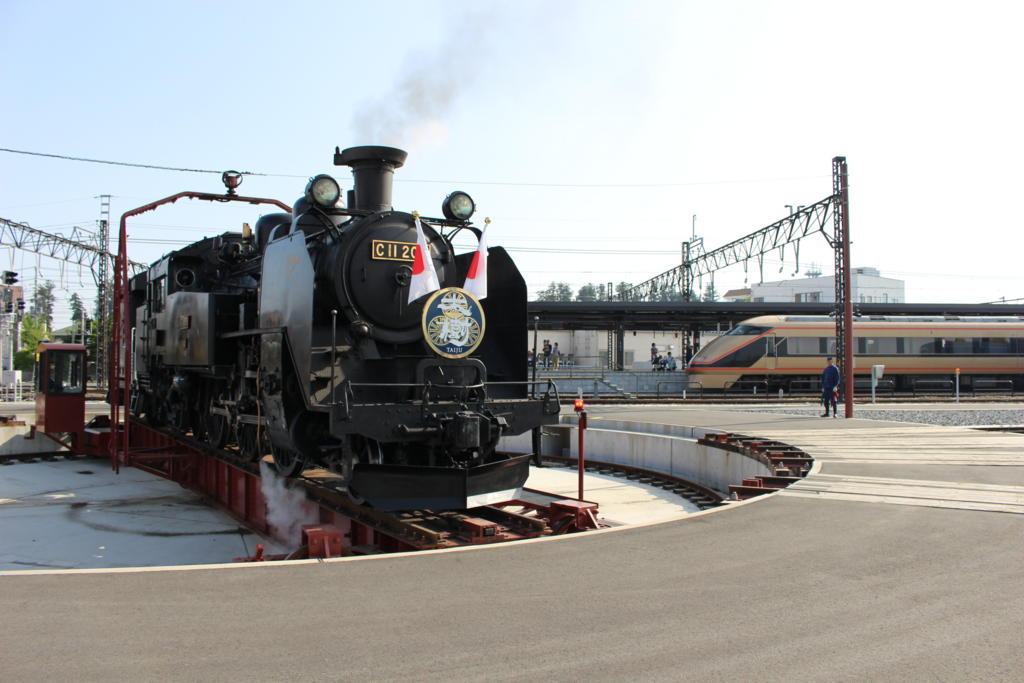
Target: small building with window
<point>867,286</point>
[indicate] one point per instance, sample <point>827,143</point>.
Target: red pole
<point>580,464</point>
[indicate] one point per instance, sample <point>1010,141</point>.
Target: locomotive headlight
<point>458,206</point>
<point>323,190</point>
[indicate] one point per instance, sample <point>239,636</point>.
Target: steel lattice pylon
<point>697,262</point>
<point>840,242</point>
<point>802,223</point>
<point>103,300</point>
<point>22,236</point>
<point>78,249</point>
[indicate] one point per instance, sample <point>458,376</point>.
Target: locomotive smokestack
<point>372,168</point>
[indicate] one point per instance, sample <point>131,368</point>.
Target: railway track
<point>702,497</point>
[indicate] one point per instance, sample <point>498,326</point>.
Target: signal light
<point>231,180</point>
<point>21,305</point>
<point>578,405</point>
<point>10,277</point>
<point>8,307</point>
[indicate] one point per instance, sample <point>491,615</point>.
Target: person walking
<point>556,354</point>
<point>830,386</point>
<point>547,353</point>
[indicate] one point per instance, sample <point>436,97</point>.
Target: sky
<point>597,136</point>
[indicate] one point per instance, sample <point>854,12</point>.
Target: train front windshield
<point>747,330</point>
<point>710,350</point>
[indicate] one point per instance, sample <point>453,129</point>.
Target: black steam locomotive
<point>297,338</point>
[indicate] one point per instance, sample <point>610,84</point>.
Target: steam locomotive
<point>298,338</point>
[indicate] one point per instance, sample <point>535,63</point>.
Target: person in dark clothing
<point>830,387</point>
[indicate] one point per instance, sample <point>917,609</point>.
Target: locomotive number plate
<point>383,250</point>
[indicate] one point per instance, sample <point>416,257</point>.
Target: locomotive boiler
<point>298,338</point>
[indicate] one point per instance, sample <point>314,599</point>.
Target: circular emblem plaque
<point>453,322</point>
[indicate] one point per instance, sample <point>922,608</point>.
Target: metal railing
<point>807,386</point>
<point>992,386</point>
<point>20,390</point>
<point>755,387</point>
<point>934,385</point>
<point>884,385</point>
<point>686,384</point>
<point>861,385</point>
<point>434,393</point>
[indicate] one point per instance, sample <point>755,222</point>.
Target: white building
<point>866,287</point>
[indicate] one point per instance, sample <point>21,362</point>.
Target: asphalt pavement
<point>839,581</point>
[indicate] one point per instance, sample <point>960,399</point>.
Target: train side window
<point>879,346</point>
<point>156,294</point>
<point>922,346</point>
<point>803,346</point>
<point>993,345</point>
<point>960,346</point>
<point>781,347</point>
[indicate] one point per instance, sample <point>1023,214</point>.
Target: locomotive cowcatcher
<point>297,338</point>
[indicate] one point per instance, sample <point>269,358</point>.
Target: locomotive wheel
<point>148,410</point>
<point>176,414</point>
<point>216,426</point>
<point>248,443</point>
<point>287,462</point>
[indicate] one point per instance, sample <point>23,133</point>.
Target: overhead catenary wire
<point>157,167</point>
<point>160,167</point>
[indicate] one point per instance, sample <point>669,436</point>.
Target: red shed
<point>60,387</point>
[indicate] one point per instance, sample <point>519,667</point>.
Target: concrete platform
<point>859,582</point>
<point>620,501</point>
<point>78,514</point>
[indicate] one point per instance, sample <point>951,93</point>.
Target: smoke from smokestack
<point>411,115</point>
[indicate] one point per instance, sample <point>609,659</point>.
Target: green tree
<point>588,292</point>
<point>42,303</point>
<point>33,331</point>
<point>77,307</point>
<point>710,293</point>
<point>556,291</point>
<point>621,289</point>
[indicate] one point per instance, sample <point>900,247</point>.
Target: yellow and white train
<point>789,351</point>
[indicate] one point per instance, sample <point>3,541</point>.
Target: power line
<point>588,186</point>
<point>426,180</point>
<point>136,165</point>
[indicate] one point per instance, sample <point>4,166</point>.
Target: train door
<point>771,355</point>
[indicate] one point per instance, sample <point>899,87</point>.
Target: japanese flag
<point>424,277</point>
<point>476,278</point>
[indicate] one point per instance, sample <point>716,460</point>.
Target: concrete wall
<point>13,442</point>
<point>673,451</point>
